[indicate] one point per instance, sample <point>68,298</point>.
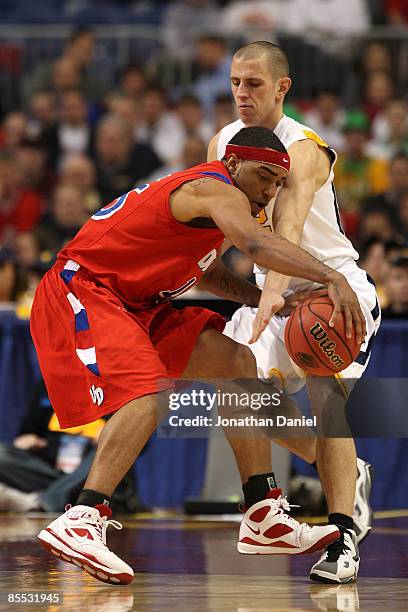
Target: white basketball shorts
<point>270,351</point>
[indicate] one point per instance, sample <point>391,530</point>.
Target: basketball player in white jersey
<point>304,211</point>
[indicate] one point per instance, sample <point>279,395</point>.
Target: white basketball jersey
<point>323,236</point>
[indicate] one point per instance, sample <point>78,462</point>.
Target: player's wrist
<point>332,277</point>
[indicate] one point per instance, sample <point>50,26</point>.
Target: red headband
<point>268,156</point>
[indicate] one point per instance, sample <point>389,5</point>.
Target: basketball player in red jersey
<point>109,341</point>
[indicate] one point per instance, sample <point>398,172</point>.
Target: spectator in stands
<point>12,282</point>
<point>183,21</point>
<point>375,57</point>
<point>80,50</point>
<point>20,208</point>
<point>397,12</point>
<point>70,71</point>
<point>253,19</point>
<point>358,176</point>
<point>397,189</point>
<point>27,249</point>
<point>79,170</point>
<point>326,118</point>
<point>32,162</point>
<point>63,221</point>
<point>13,130</point>
<point>194,152</point>
<point>45,467</point>
<point>64,76</point>
<point>390,131</point>
<point>42,112</point>
<point>327,18</point>
<point>224,111</point>
<point>403,216</point>
<point>160,128</point>
<point>373,261</point>
<point>213,60</point>
<point>72,133</point>
<point>191,115</point>
<point>127,108</point>
<point>396,288</point>
<point>376,222</point>
<point>132,81</point>
<point>120,163</point>
<point>379,90</point>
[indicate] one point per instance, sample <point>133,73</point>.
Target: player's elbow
<point>252,247</point>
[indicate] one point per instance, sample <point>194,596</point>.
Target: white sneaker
<point>266,530</point>
<point>362,512</point>
<point>340,561</point>
<point>79,537</point>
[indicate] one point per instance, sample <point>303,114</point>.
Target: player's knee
<point>243,363</point>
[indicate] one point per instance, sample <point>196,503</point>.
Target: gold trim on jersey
<point>343,385</point>
<point>262,218</point>
<point>313,136</point>
<point>277,374</point>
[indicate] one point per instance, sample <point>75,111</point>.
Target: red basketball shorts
<point>96,355</point>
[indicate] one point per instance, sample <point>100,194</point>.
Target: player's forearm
<point>226,284</point>
<point>275,281</point>
<point>278,254</point>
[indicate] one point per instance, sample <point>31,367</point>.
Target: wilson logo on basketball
<point>327,346</point>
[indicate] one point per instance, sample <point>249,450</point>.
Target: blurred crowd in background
<point>73,136</point>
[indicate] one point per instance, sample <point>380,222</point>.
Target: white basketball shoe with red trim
<point>267,530</point>
<point>79,537</point>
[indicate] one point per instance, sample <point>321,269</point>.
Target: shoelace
<point>299,528</point>
<point>337,548</point>
<point>101,523</point>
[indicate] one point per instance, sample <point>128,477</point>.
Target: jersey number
<point>111,209</point>
<point>204,263</point>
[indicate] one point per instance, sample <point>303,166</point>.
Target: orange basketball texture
<point>313,345</point>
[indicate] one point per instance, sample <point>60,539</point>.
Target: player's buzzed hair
<point>274,55</point>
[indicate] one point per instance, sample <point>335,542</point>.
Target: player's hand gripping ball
<point>313,345</point>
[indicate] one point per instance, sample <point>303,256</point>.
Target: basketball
<point>313,345</point>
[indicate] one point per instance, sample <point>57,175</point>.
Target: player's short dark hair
<point>260,137</point>
<point>275,56</point>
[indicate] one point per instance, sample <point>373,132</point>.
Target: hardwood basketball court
<point>191,565</point>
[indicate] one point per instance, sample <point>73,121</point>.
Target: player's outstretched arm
<point>289,216</point>
<point>226,284</point>
<point>231,213</point>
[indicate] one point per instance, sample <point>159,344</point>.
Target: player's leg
<point>335,456</point>
<point>121,441</point>
<point>79,535</point>
<point>217,356</point>
<point>345,479</point>
<point>337,467</point>
<point>89,374</point>
<point>273,363</point>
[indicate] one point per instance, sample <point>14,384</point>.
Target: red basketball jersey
<point>136,247</point>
